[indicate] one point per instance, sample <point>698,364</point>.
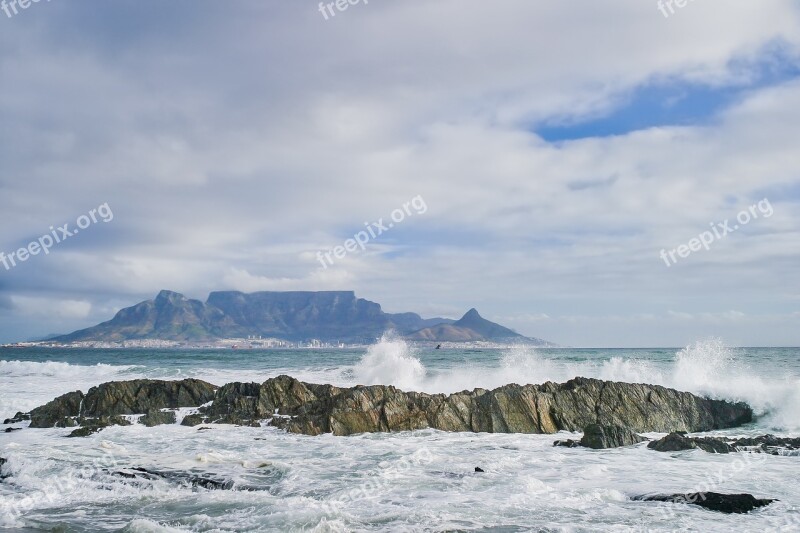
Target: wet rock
<point>63,408</point>
<point>568,443</point>
<point>479,469</point>
<point>723,503</point>
<point>17,418</point>
<point>675,442</point>
<point>315,409</point>
<point>600,437</point>
<point>157,418</point>
<point>122,398</point>
<point>205,481</point>
<point>3,474</point>
<point>10,430</point>
<point>769,444</point>
<point>90,426</point>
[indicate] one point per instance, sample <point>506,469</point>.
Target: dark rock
<point>3,475</point>
<point>723,503</point>
<point>314,409</point>
<point>122,398</point>
<point>568,443</point>
<point>63,407</point>
<point>17,418</point>
<point>194,420</point>
<point>600,437</point>
<point>184,478</point>
<point>89,426</point>
<point>678,442</point>
<point>9,430</point>
<point>157,418</point>
<point>479,469</point>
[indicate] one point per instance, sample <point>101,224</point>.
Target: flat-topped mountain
<point>336,316</point>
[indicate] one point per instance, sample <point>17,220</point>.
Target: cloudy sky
<point>558,148</point>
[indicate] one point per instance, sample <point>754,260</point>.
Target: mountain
<point>294,316</point>
<point>471,327</point>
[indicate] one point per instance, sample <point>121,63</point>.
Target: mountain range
<point>331,316</point>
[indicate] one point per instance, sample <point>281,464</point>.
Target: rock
<point>122,398</point>
<point>675,442</point>
<point>157,418</point>
<point>479,469</point>
<point>723,503</point>
<point>568,443</point>
<point>600,437</point>
<point>90,426</point>
<point>315,409</point>
<point>768,444</point>
<point>3,475</point>
<point>63,408</point>
<point>17,418</point>
<point>9,430</point>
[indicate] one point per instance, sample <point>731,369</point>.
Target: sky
<point>546,154</point>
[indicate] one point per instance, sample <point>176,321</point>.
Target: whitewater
<point>409,481</point>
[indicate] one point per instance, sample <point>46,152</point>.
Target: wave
<point>707,368</point>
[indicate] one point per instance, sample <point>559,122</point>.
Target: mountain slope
<point>472,327</point>
<point>329,316</point>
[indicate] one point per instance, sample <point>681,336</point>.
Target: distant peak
<point>169,295</point>
<point>472,313</point>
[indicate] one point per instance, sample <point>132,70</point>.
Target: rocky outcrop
<point>121,398</point>
<point>314,409</point>
<point>3,475</point>
<point>723,503</point>
<point>679,441</point>
<point>600,437</point>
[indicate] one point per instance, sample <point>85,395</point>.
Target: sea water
<point>407,481</point>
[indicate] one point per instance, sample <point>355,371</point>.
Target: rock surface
<point>600,437</point>
<point>314,409</point>
<point>121,398</point>
<point>678,441</point>
<point>2,464</point>
<point>714,501</point>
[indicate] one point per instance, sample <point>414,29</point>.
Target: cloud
<point>233,149</point>
<point>47,307</point>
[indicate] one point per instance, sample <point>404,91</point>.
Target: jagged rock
<point>122,398</point>
<point>568,443</point>
<point>479,469</point>
<point>11,430</point>
<point>723,503</point>
<point>157,418</point>
<point>675,442</point>
<point>90,426</point>
<point>63,407</point>
<point>314,409</point>
<point>3,475</point>
<point>600,437</point>
<point>17,418</point>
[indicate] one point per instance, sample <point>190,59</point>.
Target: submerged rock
<point>677,441</point>
<point>600,437</point>
<point>3,475</point>
<point>315,409</point>
<point>714,501</point>
<point>158,418</point>
<point>89,426</point>
<point>17,418</point>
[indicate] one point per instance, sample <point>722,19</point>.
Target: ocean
<point>408,481</point>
